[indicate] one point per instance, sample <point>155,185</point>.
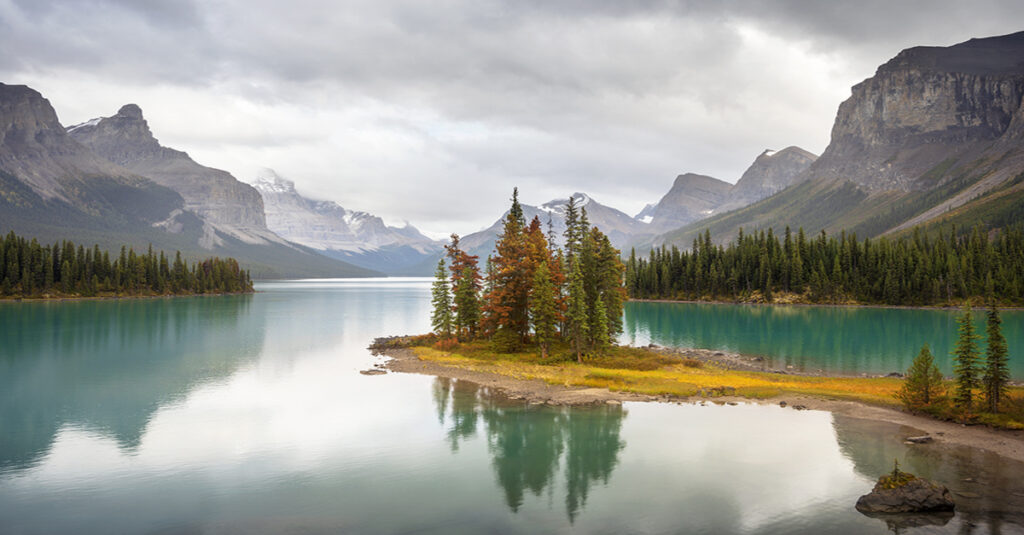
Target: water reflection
<point>107,366</point>
<point>837,339</point>
<point>988,489</point>
<point>527,444</point>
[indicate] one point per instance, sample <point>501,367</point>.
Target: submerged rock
<point>905,494</point>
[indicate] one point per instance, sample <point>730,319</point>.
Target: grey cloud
<point>606,96</point>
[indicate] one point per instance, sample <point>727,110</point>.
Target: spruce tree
<point>966,360</point>
<point>997,372</point>
<point>576,316</point>
<point>441,317</point>
<point>923,384</point>
<point>467,303</point>
<point>543,308</point>
<point>599,326</point>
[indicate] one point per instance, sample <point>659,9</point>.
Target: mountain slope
<point>230,206</point>
<point>771,172</point>
<point>356,237</point>
<point>692,197</point>
<point>53,188</point>
<point>934,129</point>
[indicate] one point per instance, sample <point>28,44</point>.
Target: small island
<point>63,270</point>
<point>540,322</point>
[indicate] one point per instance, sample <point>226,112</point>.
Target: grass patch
<point>647,372</point>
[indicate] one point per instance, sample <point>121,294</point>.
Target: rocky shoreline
<point>1006,443</point>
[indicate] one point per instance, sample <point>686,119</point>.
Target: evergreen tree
<point>466,283</point>
<point>543,308</point>
<point>441,318</point>
<point>923,384</point>
<point>467,303</point>
<point>577,322</point>
<point>506,306</point>
<point>599,327</point>
<point>997,372</point>
<point>966,360</point>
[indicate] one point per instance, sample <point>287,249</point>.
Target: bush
<point>446,344</point>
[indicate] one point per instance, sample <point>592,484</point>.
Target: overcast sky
<point>431,111</point>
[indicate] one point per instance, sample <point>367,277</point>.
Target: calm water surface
<point>248,415</point>
<point>812,338</point>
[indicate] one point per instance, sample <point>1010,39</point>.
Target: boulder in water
<point>901,492</point>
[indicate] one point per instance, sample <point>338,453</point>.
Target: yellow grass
<point>671,379</point>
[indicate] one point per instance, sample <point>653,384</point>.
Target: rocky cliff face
<point>925,106</point>
<point>771,172</point>
<point>37,152</point>
<point>357,237</point>
<point>691,198</point>
<point>214,195</point>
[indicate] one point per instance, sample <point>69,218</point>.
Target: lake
<point>846,340</point>
<point>247,414</point>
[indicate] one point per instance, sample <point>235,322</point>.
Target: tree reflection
<point>527,444</point>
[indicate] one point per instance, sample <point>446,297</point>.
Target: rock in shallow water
<point>916,496</point>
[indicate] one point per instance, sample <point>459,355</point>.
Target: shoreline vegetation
<point>944,306</point>
<point>539,307</point>
<point>690,376</point>
<point>63,271</point>
<point>915,270</point>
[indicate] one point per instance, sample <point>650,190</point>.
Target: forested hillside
<point>916,270</point>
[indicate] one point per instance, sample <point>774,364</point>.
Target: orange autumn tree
<point>529,296</point>
<point>510,278</point>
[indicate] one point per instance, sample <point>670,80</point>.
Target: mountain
<point>935,137</point>
<point>692,197</point>
<point>771,172</point>
<point>230,206</point>
<point>356,237</point>
<point>54,188</point>
<point>619,227</point>
<point>48,180</point>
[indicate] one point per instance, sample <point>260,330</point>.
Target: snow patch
<point>769,153</point>
<point>90,122</point>
<point>647,219</point>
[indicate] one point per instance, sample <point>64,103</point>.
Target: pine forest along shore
<point>63,270</point>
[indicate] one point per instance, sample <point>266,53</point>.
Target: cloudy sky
<point>431,111</point>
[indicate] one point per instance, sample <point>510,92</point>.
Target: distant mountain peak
<point>267,180</point>
<point>130,111</point>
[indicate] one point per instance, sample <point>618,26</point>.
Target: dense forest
<point>915,270</point>
<point>31,270</point>
<point>531,291</point>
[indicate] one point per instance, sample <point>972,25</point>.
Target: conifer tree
<point>996,372</point>
<point>599,326</point>
<point>576,317</point>
<point>441,318</point>
<point>923,384</point>
<point>465,288</point>
<point>506,306</point>
<point>966,360</point>
<point>467,303</point>
<point>543,308</point>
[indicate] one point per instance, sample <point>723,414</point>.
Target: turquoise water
<point>247,414</point>
<point>831,339</point>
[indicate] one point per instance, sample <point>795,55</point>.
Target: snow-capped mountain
<point>357,237</point>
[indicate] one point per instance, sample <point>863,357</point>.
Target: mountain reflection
<point>528,444</point>
<point>988,489</point>
<point>107,366</point>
